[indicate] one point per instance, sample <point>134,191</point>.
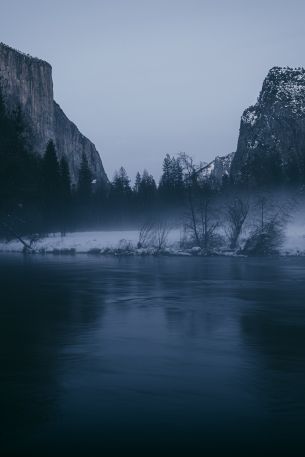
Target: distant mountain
<point>271,144</point>
<point>219,169</point>
<point>26,82</point>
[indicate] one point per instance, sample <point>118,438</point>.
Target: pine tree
<point>65,195</point>
<point>137,183</point>
<point>121,184</point>
<point>166,178</point>
<point>51,172</point>
<point>147,188</point>
<point>177,174</point>
<point>120,198</point>
<point>51,186</point>
<point>84,189</point>
<point>171,186</point>
<point>17,171</point>
<point>65,179</point>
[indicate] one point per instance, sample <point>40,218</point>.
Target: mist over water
<point>105,356</point>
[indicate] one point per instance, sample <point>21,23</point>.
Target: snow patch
<point>252,144</point>
<point>250,117</point>
<point>86,242</point>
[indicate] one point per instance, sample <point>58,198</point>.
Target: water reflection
<point>274,331</point>
<point>184,354</point>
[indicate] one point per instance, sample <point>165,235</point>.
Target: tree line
<point>37,194</point>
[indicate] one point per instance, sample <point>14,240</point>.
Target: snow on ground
<point>83,242</point>
<point>111,242</point>
<point>294,243</point>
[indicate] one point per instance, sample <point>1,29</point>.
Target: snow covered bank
<point>294,243</point>
<point>101,242</point>
<point>120,242</point>
<point>125,242</point>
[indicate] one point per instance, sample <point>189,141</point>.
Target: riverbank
<point>95,242</point>
<point>116,242</point>
<point>126,242</point>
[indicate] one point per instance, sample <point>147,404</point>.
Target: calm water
<point>170,356</point>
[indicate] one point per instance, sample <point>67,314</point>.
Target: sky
<point>144,78</point>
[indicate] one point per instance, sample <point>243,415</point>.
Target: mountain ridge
<point>26,82</point>
<point>271,141</point>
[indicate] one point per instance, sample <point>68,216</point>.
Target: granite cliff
<point>271,144</point>
<point>26,83</point>
<point>219,169</point>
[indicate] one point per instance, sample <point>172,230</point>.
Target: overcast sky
<point>142,78</point>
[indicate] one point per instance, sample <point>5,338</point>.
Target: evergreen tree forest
<point>37,195</point>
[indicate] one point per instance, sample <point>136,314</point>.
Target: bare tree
<point>237,213</point>
<point>200,220</point>
<point>208,225</point>
<point>268,234</point>
<point>154,234</point>
<point>8,225</point>
<point>273,207</point>
<point>266,241</point>
<point>162,230</point>
<point>146,235</point>
<point>190,178</point>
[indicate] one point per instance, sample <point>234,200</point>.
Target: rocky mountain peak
<point>285,87</point>
<point>22,55</point>
<point>26,83</point>
<point>271,144</point>
<point>218,169</point>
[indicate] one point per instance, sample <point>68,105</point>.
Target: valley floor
<point>95,242</point>
<point>118,242</point>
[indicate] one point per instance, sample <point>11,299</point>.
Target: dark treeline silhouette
<point>20,176</point>
<point>265,170</point>
<point>130,205</point>
<point>37,195</point>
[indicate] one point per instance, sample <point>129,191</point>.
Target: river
<point>152,356</point>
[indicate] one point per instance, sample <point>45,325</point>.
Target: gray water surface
<point>152,356</point>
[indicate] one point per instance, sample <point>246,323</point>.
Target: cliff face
<point>73,144</point>
<point>218,169</point>
<point>271,144</point>
<point>26,82</point>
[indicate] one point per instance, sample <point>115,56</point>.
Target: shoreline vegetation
<point>133,243</point>
<point>43,211</point>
